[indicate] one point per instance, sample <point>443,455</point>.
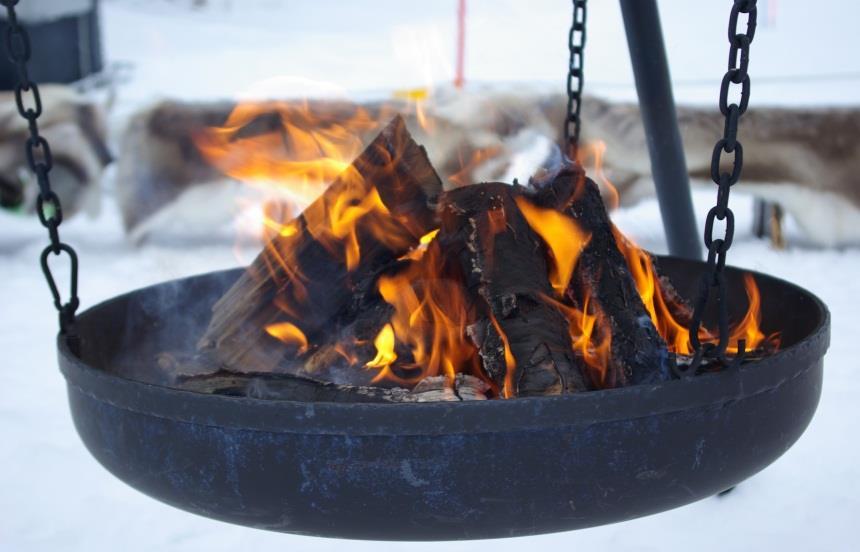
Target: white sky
<point>383,44</point>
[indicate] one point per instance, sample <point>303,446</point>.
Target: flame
<point>335,223</point>
<point>428,237</point>
<point>595,152</point>
<point>347,353</point>
<point>676,333</point>
<point>417,253</point>
<point>749,328</point>
<point>508,391</point>
<point>589,333</point>
<point>307,148</point>
<point>417,99</point>
<point>292,150</point>
<point>278,220</point>
<point>431,314</point>
<point>564,238</point>
<point>594,346</point>
<point>385,355</point>
<point>295,149</point>
<point>300,156</point>
<point>290,334</point>
<point>478,157</point>
<point>303,148</point>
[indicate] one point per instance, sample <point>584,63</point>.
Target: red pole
<point>459,78</point>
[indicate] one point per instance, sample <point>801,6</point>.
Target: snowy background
<point>56,497</point>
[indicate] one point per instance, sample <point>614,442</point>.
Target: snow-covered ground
<point>56,497</point>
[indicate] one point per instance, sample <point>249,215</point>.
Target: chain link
<point>575,77</point>
<point>39,158</point>
<point>713,280</point>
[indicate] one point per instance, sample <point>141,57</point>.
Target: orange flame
<point>431,313</point>
<point>347,353</point>
<point>478,157</point>
<point>304,149</point>
<point>508,391</point>
<point>289,334</point>
<point>589,334</point>
<point>566,241</point>
<point>595,350</point>
<point>594,152</point>
<point>335,223</point>
<point>417,98</point>
<point>416,253</point>
<point>385,355</point>
<point>278,220</point>
<point>564,238</point>
<point>675,332</point>
<point>300,155</point>
<point>749,328</point>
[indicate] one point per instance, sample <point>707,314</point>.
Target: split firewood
<point>523,341</point>
<point>601,278</point>
<point>307,274</point>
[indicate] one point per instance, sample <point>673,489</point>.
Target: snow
<point>56,497</point>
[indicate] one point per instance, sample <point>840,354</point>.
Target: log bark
<point>638,353</point>
<point>506,271</point>
<point>299,279</point>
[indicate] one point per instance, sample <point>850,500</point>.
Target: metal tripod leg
<point>657,105</point>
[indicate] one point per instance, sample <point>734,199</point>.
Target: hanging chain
<point>39,159</point>
<point>714,279</point>
<point>575,77</point>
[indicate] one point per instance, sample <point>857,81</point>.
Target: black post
<point>657,105</point>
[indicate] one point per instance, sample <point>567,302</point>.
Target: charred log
<point>524,344</point>
<point>638,353</point>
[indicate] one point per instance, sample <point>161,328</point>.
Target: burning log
<point>522,340</point>
<point>373,294</point>
<point>374,212</point>
<point>523,287</point>
<point>602,281</point>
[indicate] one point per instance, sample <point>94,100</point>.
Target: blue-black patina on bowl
<point>433,471</point>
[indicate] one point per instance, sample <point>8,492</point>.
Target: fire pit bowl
<point>433,471</point>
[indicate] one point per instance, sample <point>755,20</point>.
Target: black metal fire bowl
<point>433,471</point>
